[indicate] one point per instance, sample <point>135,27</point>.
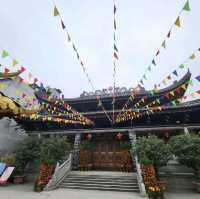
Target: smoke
<point>10,135</point>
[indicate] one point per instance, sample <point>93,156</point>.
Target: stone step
<point>100,181</point>
<point>101,188</point>
<point>106,181</point>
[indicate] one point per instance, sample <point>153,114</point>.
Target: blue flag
<point>198,78</point>
<point>175,73</point>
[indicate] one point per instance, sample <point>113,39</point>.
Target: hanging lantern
<point>89,136</point>
<point>119,136</point>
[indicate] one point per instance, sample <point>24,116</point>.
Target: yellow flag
<point>177,22</point>
<point>17,92</point>
<point>192,56</point>
<point>14,62</point>
<point>164,44</point>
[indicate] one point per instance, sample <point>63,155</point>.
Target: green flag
<point>4,54</point>
<point>181,66</point>
<point>55,12</point>
<point>158,101</point>
<point>187,6</point>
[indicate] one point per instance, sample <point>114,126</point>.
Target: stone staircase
<point>98,180</point>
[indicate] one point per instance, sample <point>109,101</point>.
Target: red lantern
<point>119,136</point>
<point>89,136</point>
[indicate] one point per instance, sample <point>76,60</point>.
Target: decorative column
<point>186,131</point>
<point>76,152</point>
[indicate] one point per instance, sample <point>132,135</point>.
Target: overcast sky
<point>32,35</point>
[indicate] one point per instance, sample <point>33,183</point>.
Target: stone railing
<point>132,137</point>
<point>61,171</point>
<point>140,178</point>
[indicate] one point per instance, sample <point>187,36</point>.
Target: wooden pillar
<point>76,152</point>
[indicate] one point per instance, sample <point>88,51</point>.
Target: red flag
<point>62,24</point>
<point>23,94</point>
<point>167,96</point>
<point>158,52</point>
<point>169,77</point>
<point>22,69</point>
<point>178,90</point>
<point>169,34</point>
<point>198,92</point>
<point>6,70</point>
<point>115,55</point>
<point>20,80</point>
<point>35,80</point>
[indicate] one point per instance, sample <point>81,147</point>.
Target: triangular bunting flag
<point>172,93</point>
<point>192,56</point>
<point>4,54</point>
<point>198,78</point>
<point>55,12</point>
<point>177,22</point>
<point>158,52</point>
<point>17,92</point>
<point>144,77</point>
<point>169,77</point>
<point>68,37</point>
<point>115,9</point>
<point>115,25</point>
<point>141,82</point>
<point>198,92</point>
<point>62,24</point>
<point>183,87</point>
<point>181,66</point>
<point>22,69</point>
<point>153,62</point>
<point>164,82</point>
<point>149,68</point>
<point>164,44</point>
<point>169,34</point>
<point>187,6</point>
<point>14,62</point>
<point>178,90</point>
<point>115,55</point>
<point>175,73</point>
<point>158,101</point>
<point>115,48</point>
<point>6,70</point>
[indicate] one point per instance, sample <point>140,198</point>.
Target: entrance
<point>106,154</point>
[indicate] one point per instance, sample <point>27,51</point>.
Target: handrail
<point>139,177</point>
<point>61,171</point>
<point>132,137</point>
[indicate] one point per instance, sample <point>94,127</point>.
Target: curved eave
<point>10,75</point>
<point>175,85</point>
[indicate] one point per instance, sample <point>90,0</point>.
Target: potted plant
<point>154,150</point>
<point>27,151</point>
<point>187,149</point>
<point>155,192</point>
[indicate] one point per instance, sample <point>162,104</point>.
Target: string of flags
<point>133,113</point>
<point>56,13</point>
<point>14,63</point>
<point>148,111</point>
<point>163,46</point>
<point>115,56</point>
<point>169,77</point>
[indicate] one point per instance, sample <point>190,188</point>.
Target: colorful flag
<point>115,55</point>
<point>55,12</point>
<point>175,73</point>
<point>153,62</point>
<point>177,22</point>
<point>14,62</point>
<point>4,54</point>
<point>62,24</point>
<point>187,6</point>
<point>198,78</point>
<point>164,44</point>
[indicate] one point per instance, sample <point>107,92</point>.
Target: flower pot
<point>19,179</point>
<point>197,184</point>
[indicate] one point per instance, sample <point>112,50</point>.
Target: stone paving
<point>26,192</point>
